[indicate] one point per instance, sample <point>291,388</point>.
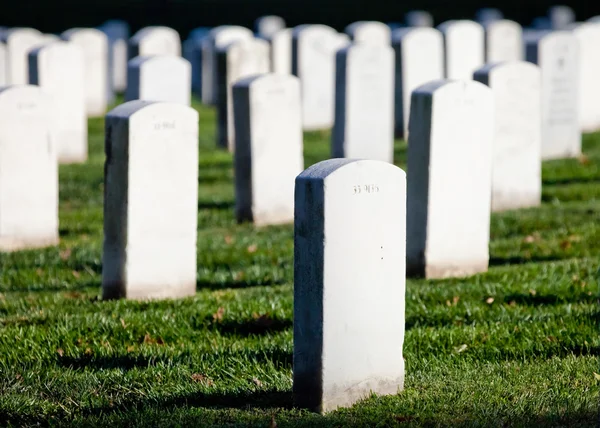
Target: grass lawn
<point>516,346</point>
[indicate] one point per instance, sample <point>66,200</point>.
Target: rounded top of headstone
<point>364,49</point>
<point>57,45</point>
<point>83,33</point>
<point>131,108</point>
<point>139,60</point>
<point>501,23</point>
<point>265,26</point>
<point>23,95</point>
<point>266,79</point>
<point>509,67</point>
<point>446,85</point>
<point>244,44</point>
<point>458,24</point>
<point>19,31</point>
<point>321,170</point>
<point>404,33</point>
<point>154,29</point>
<point>313,28</point>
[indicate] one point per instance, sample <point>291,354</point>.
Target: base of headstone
<point>453,271</point>
<point>345,395</point>
<point>117,291</point>
<point>9,243</point>
<point>513,202</point>
<point>66,160</point>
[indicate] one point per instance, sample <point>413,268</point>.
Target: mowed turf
<point>517,346</point>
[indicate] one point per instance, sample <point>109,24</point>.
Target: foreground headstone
<point>218,38</point>
<point>557,54</point>
<point>18,42</point>
<point>588,35</point>
<point>94,45</point>
<point>449,179</point>
<point>313,61</point>
<point>516,153</point>
<point>463,47</point>
<point>117,32</point>
<point>58,68</point>
<point>266,26</point>
<point>155,40</point>
<point>281,51</point>
<point>419,59</point>
<point>369,32</point>
<point>364,103</point>
<point>268,147</point>
<point>3,64</point>
<point>150,201</point>
<point>234,62</point>
<point>349,250</point>
<point>503,41</point>
<point>159,78</point>
<point>28,170</point>
<point>418,18</point>
<point>560,17</point>
<point>488,15</point>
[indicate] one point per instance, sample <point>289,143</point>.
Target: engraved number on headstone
<point>164,125</point>
<point>366,188</point>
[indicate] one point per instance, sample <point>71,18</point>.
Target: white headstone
<point>281,51</point>
<point>18,42</point>
<point>349,282</point>
<point>150,201</point>
<point>561,16</point>
<point>488,15</point>
<point>419,59</point>
<point>94,45</point>
<point>268,147</point>
<point>218,38</point>
<point>28,170</point>
<point>369,32</point>
<point>155,40</point>
<point>117,32</point>
<point>418,18</point>
<point>503,41</point>
<point>364,103</point>
<point>464,48</point>
<point>58,68</point>
<point>313,61</point>
<point>588,35</point>
<point>557,54</point>
<point>234,62</point>
<point>3,65</point>
<point>449,179</point>
<point>266,26</point>
<point>159,78</point>
<point>516,152</point>
<point>594,19</point>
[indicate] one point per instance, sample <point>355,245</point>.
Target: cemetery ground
<point>517,346</point>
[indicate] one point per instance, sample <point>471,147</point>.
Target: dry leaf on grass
<point>228,240</point>
<point>200,378</point>
<point>489,300</point>
<point>257,382</point>
<point>218,316</point>
<point>65,254</point>
<point>252,248</point>
<point>150,341</point>
<point>461,348</point>
<point>60,352</point>
<point>123,323</point>
<point>565,244</point>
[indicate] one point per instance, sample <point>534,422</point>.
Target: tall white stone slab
<point>516,152</point>
<point>419,59</point>
<point>266,26</point>
<point>28,170</point>
<point>268,147</point>
<point>364,103</point>
<point>58,68</point>
<point>557,54</point>
<point>150,201</point>
<point>588,35</point>
<point>218,38</point>
<point>18,43</point>
<point>155,40</point>
<point>313,61</point>
<point>561,16</point>
<point>159,78</point>
<point>503,41</point>
<point>463,47</point>
<point>94,45</point>
<point>281,51</point>
<point>234,62</point>
<point>369,32</point>
<point>449,179</point>
<point>349,282</point>
<point>3,64</point>
<point>418,18</point>
<point>488,14</point>
<point>117,32</point>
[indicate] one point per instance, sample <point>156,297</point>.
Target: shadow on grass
<point>547,299</point>
<point>502,261</point>
<point>221,205</point>
<point>41,288</point>
<point>258,326</point>
<point>574,180</point>
<point>211,285</point>
<point>123,362</point>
